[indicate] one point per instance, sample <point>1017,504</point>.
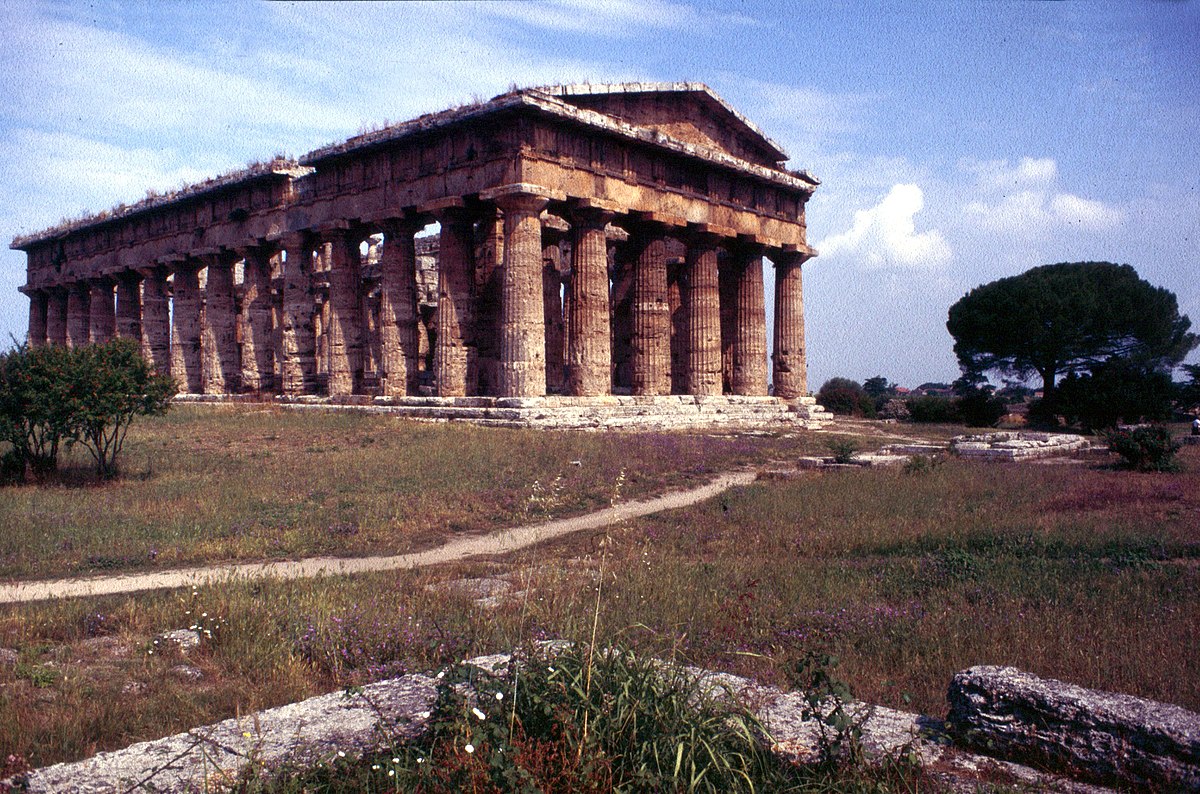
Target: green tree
<point>52,395</point>
<point>1113,392</point>
<point>845,396</point>
<point>35,408</point>
<point>878,386</point>
<point>1188,394</point>
<point>1068,317</point>
<point>111,384</point>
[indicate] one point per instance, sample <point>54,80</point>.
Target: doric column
<point>552,309</point>
<point>676,284</point>
<point>299,365</point>
<point>156,319</point>
<point>651,341</point>
<point>790,362</point>
<point>218,339</point>
<point>522,371</point>
<point>78,315</point>
<point>56,317</point>
<point>703,307</point>
<point>345,313</point>
<point>129,306</point>
<point>258,347</point>
<point>103,318</point>
<point>750,335</point>
<point>454,358</point>
<point>398,336</point>
<point>186,366</point>
<point>621,314</point>
<point>38,310</point>
<point>589,341</point>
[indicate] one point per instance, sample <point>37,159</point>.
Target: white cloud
<point>885,235</point>
<point>612,18</point>
<point>1023,200</point>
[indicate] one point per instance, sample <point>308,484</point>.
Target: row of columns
<point>716,313</point>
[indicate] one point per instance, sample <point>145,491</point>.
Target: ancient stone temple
<point>566,242</point>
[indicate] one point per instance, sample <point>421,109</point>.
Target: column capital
<point>521,192</point>
<point>790,256</point>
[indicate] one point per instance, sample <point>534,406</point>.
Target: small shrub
<point>842,448</point>
<point>846,397</point>
<point>1145,448</point>
<point>922,464</point>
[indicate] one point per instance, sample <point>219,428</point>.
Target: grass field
<point>1081,572</point>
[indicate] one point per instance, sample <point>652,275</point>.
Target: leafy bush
<point>941,410</point>
<point>1116,391</point>
<point>50,395</point>
<point>846,397</point>
<point>1145,448</point>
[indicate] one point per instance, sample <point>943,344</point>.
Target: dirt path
<point>500,542</point>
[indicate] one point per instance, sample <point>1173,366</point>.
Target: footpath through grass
<point>210,484</point>
<point>1079,572</point>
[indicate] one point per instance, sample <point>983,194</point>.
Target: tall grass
<point>1076,572</point>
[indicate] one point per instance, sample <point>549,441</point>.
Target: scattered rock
<point>187,672</point>
<point>185,640</point>
<point>8,657</point>
<point>485,591</point>
<point>133,688</point>
<point>1108,738</point>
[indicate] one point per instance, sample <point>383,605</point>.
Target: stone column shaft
<point>156,320</point>
<point>345,314</point>
<point>298,342</point>
<point>258,348</point>
<point>398,334</point>
<point>78,315</point>
<point>790,364</point>
<point>552,310</point>
<point>129,306</point>
<point>522,313</point>
<point>38,310</point>
<point>454,357</point>
<point>56,317</point>
<point>676,279</point>
<point>703,319</point>
<point>750,336</point>
<point>221,367</point>
<point>101,311</point>
<point>589,340</point>
<point>186,367</point>
<point>651,341</point>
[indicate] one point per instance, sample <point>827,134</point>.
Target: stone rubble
<point>1015,445</point>
<point>373,718</point>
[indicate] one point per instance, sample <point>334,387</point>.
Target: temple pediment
<point>689,112</point>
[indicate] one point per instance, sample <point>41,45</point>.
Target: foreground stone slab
<point>382,714</point>
<point>211,758</point>
<point>1017,445</point>
<point>1101,736</point>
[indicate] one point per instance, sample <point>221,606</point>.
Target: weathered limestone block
<point>703,318</point>
<point>1106,737</point>
<point>258,347</point>
<point>750,333</point>
<point>522,371</point>
<point>101,311</point>
<point>789,364</point>
<point>56,317</point>
<point>156,319</point>
<point>345,314</point>
<point>218,339</point>
<point>298,368</point>
<point>129,306</point>
<point>186,366</point>
<point>651,341</point>
<point>212,757</point>
<point>399,346</point>
<point>589,342</point>
<point>455,355</point>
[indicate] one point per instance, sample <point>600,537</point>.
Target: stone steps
<point>615,412</point>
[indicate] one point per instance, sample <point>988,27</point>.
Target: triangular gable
<point>689,112</point>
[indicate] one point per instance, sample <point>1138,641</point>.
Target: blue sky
<point>956,143</point>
